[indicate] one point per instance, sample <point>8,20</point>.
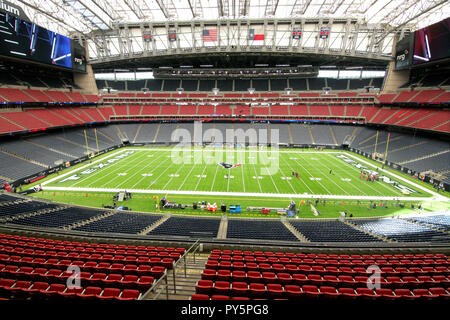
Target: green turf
<point>329,209</point>
<point>148,169</point>
<point>264,179</point>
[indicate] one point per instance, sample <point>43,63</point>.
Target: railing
<point>163,283</point>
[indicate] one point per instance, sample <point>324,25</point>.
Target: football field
<point>238,172</point>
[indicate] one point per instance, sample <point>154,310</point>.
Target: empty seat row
<point>331,262</point>
<point>320,269</point>
<point>55,257</point>
<point>85,253</point>
<point>329,256</point>
<point>25,289</point>
<point>337,280</point>
<point>277,291</point>
<point>141,283</point>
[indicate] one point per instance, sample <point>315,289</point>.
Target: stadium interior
<point>364,79</point>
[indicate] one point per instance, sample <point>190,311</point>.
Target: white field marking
<point>325,175</point>
<point>259,177</point>
<point>122,174</point>
<point>226,176</point>
<point>200,178</point>
<point>345,179</point>
<point>243,177</point>
<point>137,163</point>
<point>155,181</point>
<point>401,178</point>
<point>113,168</point>
<point>368,185</point>
<point>81,168</point>
<point>267,170</point>
<point>311,176</point>
<point>294,170</point>
<point>214,179</point>
<point>187,176</point>
<point>174,175</point>
<point>136,173</point>
<point>245,194</point>
<point>147,174</point>
<point>315,179</point>
<point>228,150</point>
<point>286,178</point>
<point>254,168</point>
<point>154,169</point>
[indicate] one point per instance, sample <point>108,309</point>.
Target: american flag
<point>209,35</point>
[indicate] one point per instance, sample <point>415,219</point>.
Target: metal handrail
<point>193,247</point>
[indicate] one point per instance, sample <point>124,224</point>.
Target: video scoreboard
<point>22,39</point>
<point>424,46</point>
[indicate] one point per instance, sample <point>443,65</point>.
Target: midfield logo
<point>228,165</point>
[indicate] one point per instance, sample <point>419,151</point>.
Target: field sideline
<point>260,173</point>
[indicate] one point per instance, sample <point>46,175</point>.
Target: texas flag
<point>255,34</point>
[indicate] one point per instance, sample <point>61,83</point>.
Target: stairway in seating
<point>157,131</point>
<point>290,134</point>
<point>424,157</point>
<point>185,279</point>
<point>333,135</point>
<point>311,135</point>
<point>354,226</point>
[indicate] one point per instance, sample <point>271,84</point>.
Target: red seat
<point>275,290</point>
<point>158,272</point>
<point>265,267</point>
<point>209,274</point>
<point>251,266</point>
<point>109,293</point>
<point>311,291</point>
<point>257,290</point>
<point>200,297</point>
<point>129,294</point>
<point>54,289</point>
<point>223,275</point>
<point>240,298</point>
<point>404,293</point>
<point>269,277</point>
<point>348,293</point>
<point>238,276</point>
<point>424,293</point>
<point>439,292</point>
<point>129,281</point>
<point>284,278</point>
<point>97,279</point>
<point>239,288</point>
<point>204,286</point>
<point>346,281</point>
<point>366,293</point>
<point>385,293</point>
<point>293,291</point>
<point>220,297</point>
<point>238,265</point>
<point>329,292</point>
<point>37,287</point>
<point>221,287</point>
<point>145,282</point>
<point>254,276</point>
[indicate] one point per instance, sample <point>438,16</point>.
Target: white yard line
<point>368,183</point>
<point>140,171</point>
<point>116,169</point>
<point>256,176</point>
<point>354,186</point>
<point>83,167</point>
<point>243,177</point>
<point>244,194</point>
<point>214,179</point>
<point>325,175</point>
<point>200,178</point>
<point>228,150</point>
<point>437,195</point>
<point>153,169</point>
<point>312,176</point>
<point>300,179</point>
<point>187,176</point>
